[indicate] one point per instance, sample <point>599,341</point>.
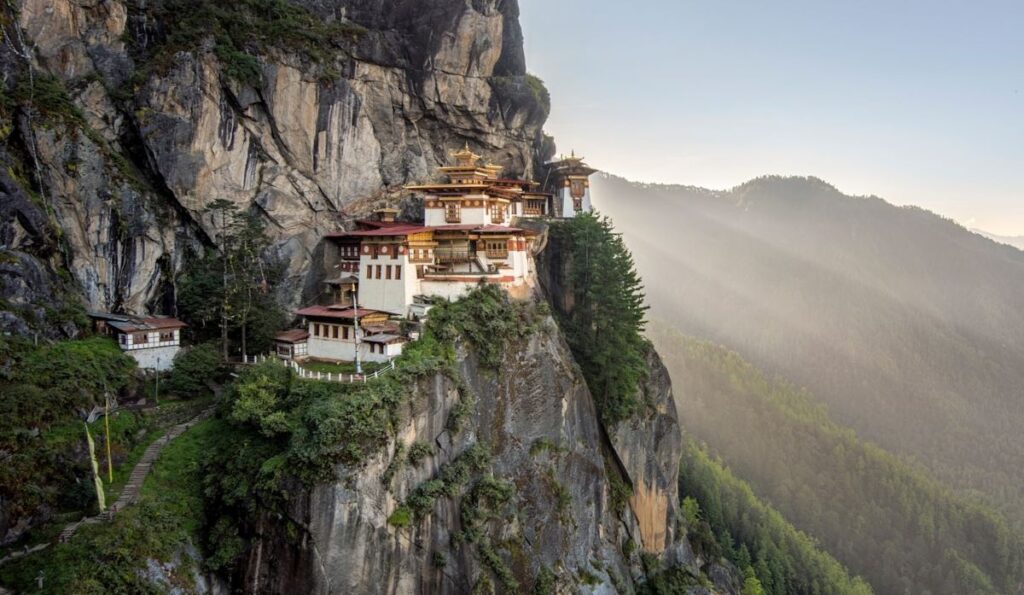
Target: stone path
<point>130,493</point>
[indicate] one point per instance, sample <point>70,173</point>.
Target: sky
<point>919,102</point>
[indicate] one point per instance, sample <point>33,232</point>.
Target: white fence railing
<point>322,376</point>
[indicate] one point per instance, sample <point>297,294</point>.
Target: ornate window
<point>496,249</point>
<point>497,213</point>
<point>452,212</point>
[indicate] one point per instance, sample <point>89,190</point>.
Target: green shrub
<point>419,451</point>
<point>194,370</point>
<point>76,374</point>
<point>401,517</point>
<point>546,583</point>
<point>487,318</point>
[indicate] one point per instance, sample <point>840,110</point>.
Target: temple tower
<point>569,181</point>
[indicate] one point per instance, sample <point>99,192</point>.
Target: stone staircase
<point>131,492</point>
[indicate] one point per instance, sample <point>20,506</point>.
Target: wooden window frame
<point>452,212</point>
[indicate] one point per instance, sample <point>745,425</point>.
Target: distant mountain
<point>882,518</point>
<point>907,325</point>
<point>1015,241</point>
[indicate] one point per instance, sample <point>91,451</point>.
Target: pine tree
<point>607,318</point>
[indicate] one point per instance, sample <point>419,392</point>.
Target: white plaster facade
<point>159,359</point>
<point>568,208</point>
<point>323,345</point>
<point>387,283</point>
<point>153,349</point>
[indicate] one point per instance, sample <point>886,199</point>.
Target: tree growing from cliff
<point>230,287</point>
<point>606,322</point>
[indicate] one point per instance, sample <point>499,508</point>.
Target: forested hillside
<point>887,521</point>
<point>774,555</point>
<point>909,326</point>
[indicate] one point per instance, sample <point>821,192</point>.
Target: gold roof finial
<point>465,157</point>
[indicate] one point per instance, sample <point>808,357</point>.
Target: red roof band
<point>329,312</point>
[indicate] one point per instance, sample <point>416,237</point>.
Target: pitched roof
<point>389,230</point>
<point>127,323</point>
<point>339,313</point>
<point>384,339</point>
<point>295,335</point>
<point>478,228</point>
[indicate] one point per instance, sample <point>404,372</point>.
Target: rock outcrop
<point>121,152</point>
<point>539,422</point>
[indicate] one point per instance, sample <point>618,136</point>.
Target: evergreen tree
<point>606,321</point>
<point>230,288</point>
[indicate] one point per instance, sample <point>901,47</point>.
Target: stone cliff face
<point>539,421</point>
<point>112,160</point>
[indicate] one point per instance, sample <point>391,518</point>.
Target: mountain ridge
<point>906,322</point>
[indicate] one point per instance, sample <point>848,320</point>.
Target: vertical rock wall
<point>124,185</point>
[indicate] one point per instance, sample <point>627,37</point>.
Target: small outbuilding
<point>152,341</point>
<point>292,344</point>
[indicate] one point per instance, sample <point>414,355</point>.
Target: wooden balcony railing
<point>451,256</point>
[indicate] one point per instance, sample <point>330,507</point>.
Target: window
<point>334,331</point>
<point>398,272</point>
<point>388,272</point>
<point>378,271</point>
<point>316,330</point>
<point>497,213</point>
<point>344,333</point>
<point>497,248</point>
<point>166,336</point>
<point>452,212</point>
<point>140,339</point>
<point>369,271</point>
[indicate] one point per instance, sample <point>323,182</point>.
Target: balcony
<point>453,256</point>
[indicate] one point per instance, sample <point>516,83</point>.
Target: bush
<point>77,374</point>
<point>419,451</point>
<point>194,369</point>
<point>488,318</point>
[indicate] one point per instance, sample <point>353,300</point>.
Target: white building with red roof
<point>332,334</point>
<point>152,341</point>
<point>467,238</point>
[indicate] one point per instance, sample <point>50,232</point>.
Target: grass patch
<point>543,445</point>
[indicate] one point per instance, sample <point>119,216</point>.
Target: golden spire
<point>465,157</point>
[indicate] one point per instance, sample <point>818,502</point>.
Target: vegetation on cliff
<point>604,326</point>
<point>283,432</point>
<point>43,390</point>
<point>884,519</point>
<point>243,30</point>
